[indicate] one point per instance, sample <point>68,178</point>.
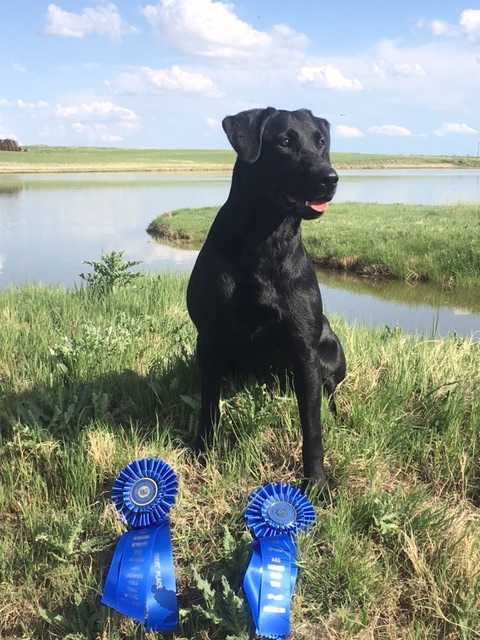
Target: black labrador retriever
<point>253,295</point>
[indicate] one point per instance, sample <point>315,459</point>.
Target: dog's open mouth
<point>316,207</point>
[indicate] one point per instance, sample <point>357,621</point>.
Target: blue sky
<point>390,77</point>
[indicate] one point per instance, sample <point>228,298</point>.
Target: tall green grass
<point>409,242</point>
<point>93,378</point>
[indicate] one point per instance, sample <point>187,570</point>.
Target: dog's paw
<point>318,490</point>
<point>200,446</point>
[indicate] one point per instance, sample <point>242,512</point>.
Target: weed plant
<point>409,242</point>
<point>94,378</point>
<point>110,272</point>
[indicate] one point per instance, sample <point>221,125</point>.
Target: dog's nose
<point>329,183</point>
<point>332,179</point>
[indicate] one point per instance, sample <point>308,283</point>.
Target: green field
<point>45,159</point>
<point>96,377</point>
<point>39,159</point>
<point>410,242</point>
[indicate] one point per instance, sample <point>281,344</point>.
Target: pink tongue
<point>319,208</point>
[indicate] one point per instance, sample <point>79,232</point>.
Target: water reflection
<point>461,301</point>
<point>424,309</point>
<point>76,181</point>
<point>57,221</point>
<point>10,189</point>
<point>420,186</point>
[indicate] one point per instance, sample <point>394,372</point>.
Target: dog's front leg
<point>308,389</point>
<point>210,366</point>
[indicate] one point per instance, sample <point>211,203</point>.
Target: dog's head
<point>288,152</point>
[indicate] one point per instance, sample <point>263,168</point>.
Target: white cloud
<point>95,132</point>
<point>104,20</point>
<point>92,110</point>
<point>454,127</point>
<point>213,123</point>
<point>211,29</point>
<point>287,41</point>
<point>103,122</point>
<point>390,130</point>
<point>343,131</point>
<point>39,105</point>
<point>327,77</point>
<point>468,24</point>
<point>176,79</point>
<point>442,28</point>
<point>24,105</point>
<point>17,66</point>
<point>394,62</point>
<point>409,70</point>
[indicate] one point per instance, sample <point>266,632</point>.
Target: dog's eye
<point>285,142</point>
<point>321,143</point>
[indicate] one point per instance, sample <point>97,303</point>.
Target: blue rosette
<point>278,509</point>
<point>144,492</point>
<point>141,579</point>
<point>275,514</point>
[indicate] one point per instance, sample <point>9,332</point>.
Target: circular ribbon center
<point>143,492</point>
<point>282,513</point>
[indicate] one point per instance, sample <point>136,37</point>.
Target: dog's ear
<point>244,132</point>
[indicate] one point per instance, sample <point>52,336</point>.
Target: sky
<point>391,77</point>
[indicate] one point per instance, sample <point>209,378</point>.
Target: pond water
<point>50,223</point>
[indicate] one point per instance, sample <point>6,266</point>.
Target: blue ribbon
<point>141,579</point>
<point>275,514</point>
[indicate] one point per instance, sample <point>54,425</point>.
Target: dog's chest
<point>257,308</point>
<point>253,326</point>
<point>256,295</point>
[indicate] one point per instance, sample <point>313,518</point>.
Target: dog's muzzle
<point>317,201</point>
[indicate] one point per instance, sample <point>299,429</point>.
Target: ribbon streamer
<point>141,579</point>
<point>275,514</point>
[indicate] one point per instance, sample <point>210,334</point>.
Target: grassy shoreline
<point>91,380</point>
<point>46,159</point>
<point>438,244</point>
